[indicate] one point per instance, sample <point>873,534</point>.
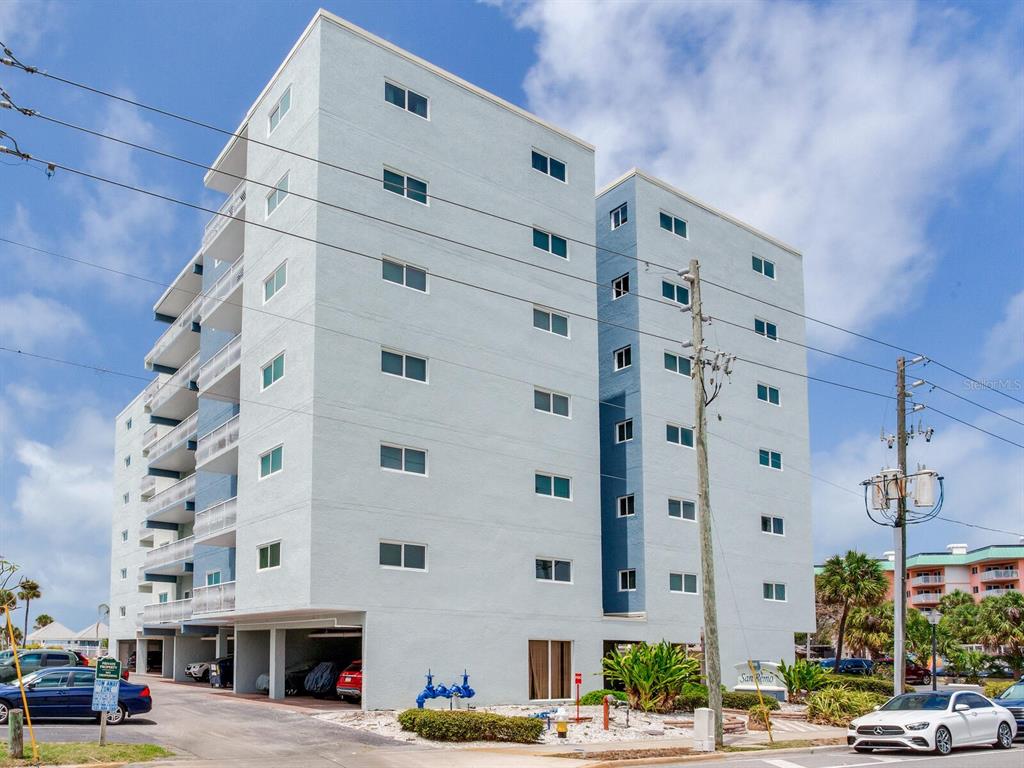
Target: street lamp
<point>934,617</point>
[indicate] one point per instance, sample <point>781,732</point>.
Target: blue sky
<point>883,140</point>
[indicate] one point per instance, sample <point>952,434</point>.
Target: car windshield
<point>1015,691</point>
<point>914,701</point>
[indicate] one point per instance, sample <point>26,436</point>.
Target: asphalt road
<point>841,757</point>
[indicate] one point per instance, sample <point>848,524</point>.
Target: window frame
<point>627,353</point>
<point>405,98</point>
<point>551,237</point>
<point>273,277</point>
<point>624,431</point>
<point>551,314</point>
<point>551,395</point>
<point>206,581</point>
<point>679,359</point>
<point>124,535</point>
<point>775,592</point>
<point>771,520</point>
<point>271,125</point>
<point>676,287</point>
<point>552,477</point>
<point>764,333</point>
<point>554,560</point>
<point>268,546</point>
<point>547,163</point>
<point>124,574</point>
<point>767,399</point>
<point>771,455</point>
<point>403,544</point>
<point>682,583</point>
<point>405,266</point>
<point>754,259</point>
<point>403,470</point>
<point>672,220</point>
<point>628,573</point>
<point>550,687</point>
<point>682,430</point>
<point>272,472</point>
<point>405,185</point>
<point>274,192</point>
<point>405,365</point>
<point>627,501</point>
<point>269,365</point>
<point>623,215</point>
<point>682,509</point>
<point>617,287</point>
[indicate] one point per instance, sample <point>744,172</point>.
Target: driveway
<point>843,757</point>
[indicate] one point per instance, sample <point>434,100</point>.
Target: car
<point>294,678</point>
<point>199,671</point>
<point>154,660</point>
<point>222,672</point>
<point>996,668</point>
<point>30,661</point>
<point>849,666</point>
<point>1013,699</point>
<point>67,692</point>
<point>914,673</point>
<point>936,721</point>
<point>350,681</point>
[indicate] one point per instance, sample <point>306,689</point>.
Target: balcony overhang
<point>231,160</point>
<point>185,287</point>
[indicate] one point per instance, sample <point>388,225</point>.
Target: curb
<point>692,758</point>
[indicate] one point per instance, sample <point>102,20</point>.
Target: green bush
<point>694,696</point>
<point>697,696</point>
<point>802,677</point>
<point>864,683</point>
<point>758,717</point>
<point>838,706</point>
<point>652,675</point>
<point>993,689</point>
<point>441,725</point>
<point>594,698</point>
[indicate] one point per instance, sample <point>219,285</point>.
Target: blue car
<point>1013,699</point>
<point>849,666</point>
<point>67,692</point>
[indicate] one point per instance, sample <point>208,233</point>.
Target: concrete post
<point>141,648</point>
<point>167,658</point>
<point>277,663</point>
<point>252,650</point>
<point>222,641</point>
<point>15,734</point>
<point>703,729</point>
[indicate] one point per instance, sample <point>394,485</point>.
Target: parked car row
<point>66,692</point>
<point>347,684</point>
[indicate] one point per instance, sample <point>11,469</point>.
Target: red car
<point>350,681</point>
<point>914,673</point>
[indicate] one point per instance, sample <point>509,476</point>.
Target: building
<point>88,641</point>
<point>351,450</point>
<point>984,572</point>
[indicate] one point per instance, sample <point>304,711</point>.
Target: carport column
<point>277,664</point>
<point>141,647</point>
<point>188,649</point>
<point>222,641</point>
<point>167,658</point>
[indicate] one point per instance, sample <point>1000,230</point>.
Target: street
<point>841,757</point>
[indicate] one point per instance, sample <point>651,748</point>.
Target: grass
<point>89,752</point>
<point>794,744</point>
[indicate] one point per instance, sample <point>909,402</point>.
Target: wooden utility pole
<point>899,533</point>
<point>712,665</point>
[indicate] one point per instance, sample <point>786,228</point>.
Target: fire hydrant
<point>562,723</point>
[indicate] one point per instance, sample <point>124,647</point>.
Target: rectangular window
<point>550,243</point>
<point>125,498</point>
<point>269,556</point>
<point>768,394</point>
<point>619,216</point>
<point>774,592</point>
<point>406,186</point>
<point>272,461</point>
<point>626,505</point>
<point>127,424</point>
<point>273,370</point>
<point>124,535</point>
<point>124,574</point>
<point>620,286</point>
<point>552,322</point>
<point>163,597</point>
<point>682,509</point>
<point>623,357</point>
<point>550,663</point>
<point>128,460</point>
<point>677,364</point>
<point>770,459</point>
<point>679,435</point>
<point>549,569</point>
<point>763,266</point>
<point>680,294</point>
<point>766,329</point>
<point>552,485</point>
<point>280,109</point>
<point>627,580</point>
<point>403,274</point>
<point>548,165</point>
<point>399,459</point>
<point>212,578</point>
<point>406,366</point>
<point>277,195</point>
<point>406,99</point>
<point>551,402</point>
<point>399,554</point>
<point>122,611</point>
<point>773,525</point>
<point>672,224</point>
<point>683,582</point>
<point>274,283</point>
<point>624,431</point>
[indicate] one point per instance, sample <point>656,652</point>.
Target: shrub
<point>692,697</point>
<point>802,677</point>
<point>441,725</point>
<point>594,698</point>
<point>652,675</point>
<point>746,700</point>
<point>992,690</point>
<point>864,683</point>
<point>757,717</point>
<point>838,706</point>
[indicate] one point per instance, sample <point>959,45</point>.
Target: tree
<point>28,591</point>
<point>43,620</point>
<point>953,600</point>
<point>850,581</point>
<point>1001,623</point>
<point>869,629</point>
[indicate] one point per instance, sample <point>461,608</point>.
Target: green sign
<point>108,669</point>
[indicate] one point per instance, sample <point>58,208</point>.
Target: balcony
<point>219,376</point>
<point>176,398</point>
<point>233,206</point>
<point>927,580</point>
<point>1000,574</point>
<point>179,342</point>
<point>147,487</point>
<point>175,451</point>
<point>170,558</point>
<point>216,525</point>
<point>925,598</point>
<point>222,305</point>
<point>171,504</point>
<point>216,598</point>
<point>997,592</point>
<point>167,613</point>
<point>183,290</point>
<point>217,451</point>
<point>149,391</point>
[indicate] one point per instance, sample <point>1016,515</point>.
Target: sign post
<point>105,691</point>
<point>579,681</point>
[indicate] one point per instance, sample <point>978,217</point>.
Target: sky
<point>883,140</point>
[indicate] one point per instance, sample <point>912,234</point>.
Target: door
<point>79,692</point>
<point>982,718</point>
<point>48,695</point>
<point>960,722</point>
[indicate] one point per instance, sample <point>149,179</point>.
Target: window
<point>975,590</point>
<point>548,165</point>
<point>683,582</point>
<point>274,283</point>
<point>626,505</point>
<point>124,574</point>
<point>549,569</point>
<point>406,186</point>
<point>273,370</point>
<point>682,509</point>
<point>623,357</point>
<point>672,224</point>
<point>212,578</point>
<point>399,459</point>
<point>122,611</point>
<point>406,99</point>
<point>280,109</point>
<point>768,394</point>
<point>771,459</point>
<point>277,195</point>
<point>627,580</point>
<point>766,329</point>
<point>974,570</point>
<point>773,525</point>
<point>125,498</point>
<point>680,294</point>
<point>550,243</point>
<point>619,216</point>
<point>55,680</point>
<point>774,592</point>
<point>128,460</point>
<point>763,266</point>
<point>677,364</point>
<point>679,435</point>
<point>124,535</point>
<point>551,402</point>
<point>552,322</point>
<point>403,274</point>
<point>552,485</point>
<point>406,366</point>
<point>550,665</point>
<point>397,554</point>
<point>624,431</point>
<point>163,597</point>
<point>83,678</point>
<point>620,286</point>
<point>127,424</point>
<point>269,556</point>
<point>271,461</point>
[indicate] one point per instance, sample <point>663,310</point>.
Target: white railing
<point>149,391</point>
<point>178,381</point>
<point>925,598</point>
<point>1000,574</point>
<point>182,325</point>
<point>171,496</point>
<point>182,549</point>
<point>148,486</point>
<point>920,581</point>
<point>172,439</point>
<point>231,207</point>
<point>149,437</point>
<point>214,598</point>
<point>222,361</point>
<point>217,441</point>
<point>163,613</point>
<point>219,291</point>
<point>216,519</point>
<point>997,592</point>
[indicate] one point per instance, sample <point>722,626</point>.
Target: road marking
<point>780,763</point>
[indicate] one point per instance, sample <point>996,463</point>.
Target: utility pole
<point>899,532</point>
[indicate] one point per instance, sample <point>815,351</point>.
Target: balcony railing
<point>182,325</point>
<point>1001,574</point>
<point>172,439</point>
<point>149,391</point>
<point>997,592</point>
<point>182,549</point>
<point>222,361</point>
<point>147,487</point>
<point>925,598</point>
<point>926,579</point>
<point>231,207</point>
<point>149,437</point>
<point>219,440</point>
<point>221,289</point>
<point>216,519</point>
<point>171,496</point>
<point>214,598</point>
<point>165,613</point>
<point>176,383</point>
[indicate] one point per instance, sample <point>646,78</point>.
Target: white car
<point>199,670</point>
<point>933,721</point>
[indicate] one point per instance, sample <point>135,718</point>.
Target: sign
<point>579,678</point>
<point>769,680</point>
<point>107,686</point>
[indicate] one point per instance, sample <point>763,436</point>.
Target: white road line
<point>780,763</point>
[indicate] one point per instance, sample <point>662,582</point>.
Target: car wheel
<point>5,712</point>
<point>927,679</point>
<point>943,740</point>
<point>118,716</point>
<point>1004,736</point>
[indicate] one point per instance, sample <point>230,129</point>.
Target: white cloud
<point>1004,346</point>
<point>32,322</point>
<point>25,24</point>
<point>836,127</point>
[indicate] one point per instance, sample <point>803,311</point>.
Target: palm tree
<point>869,629</point>
<point>955,599</point>
<point>43,620</point>
<point>1001,623</point>
<point>28,591</point>
<point>10,600</point>
<point>850,581</point>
